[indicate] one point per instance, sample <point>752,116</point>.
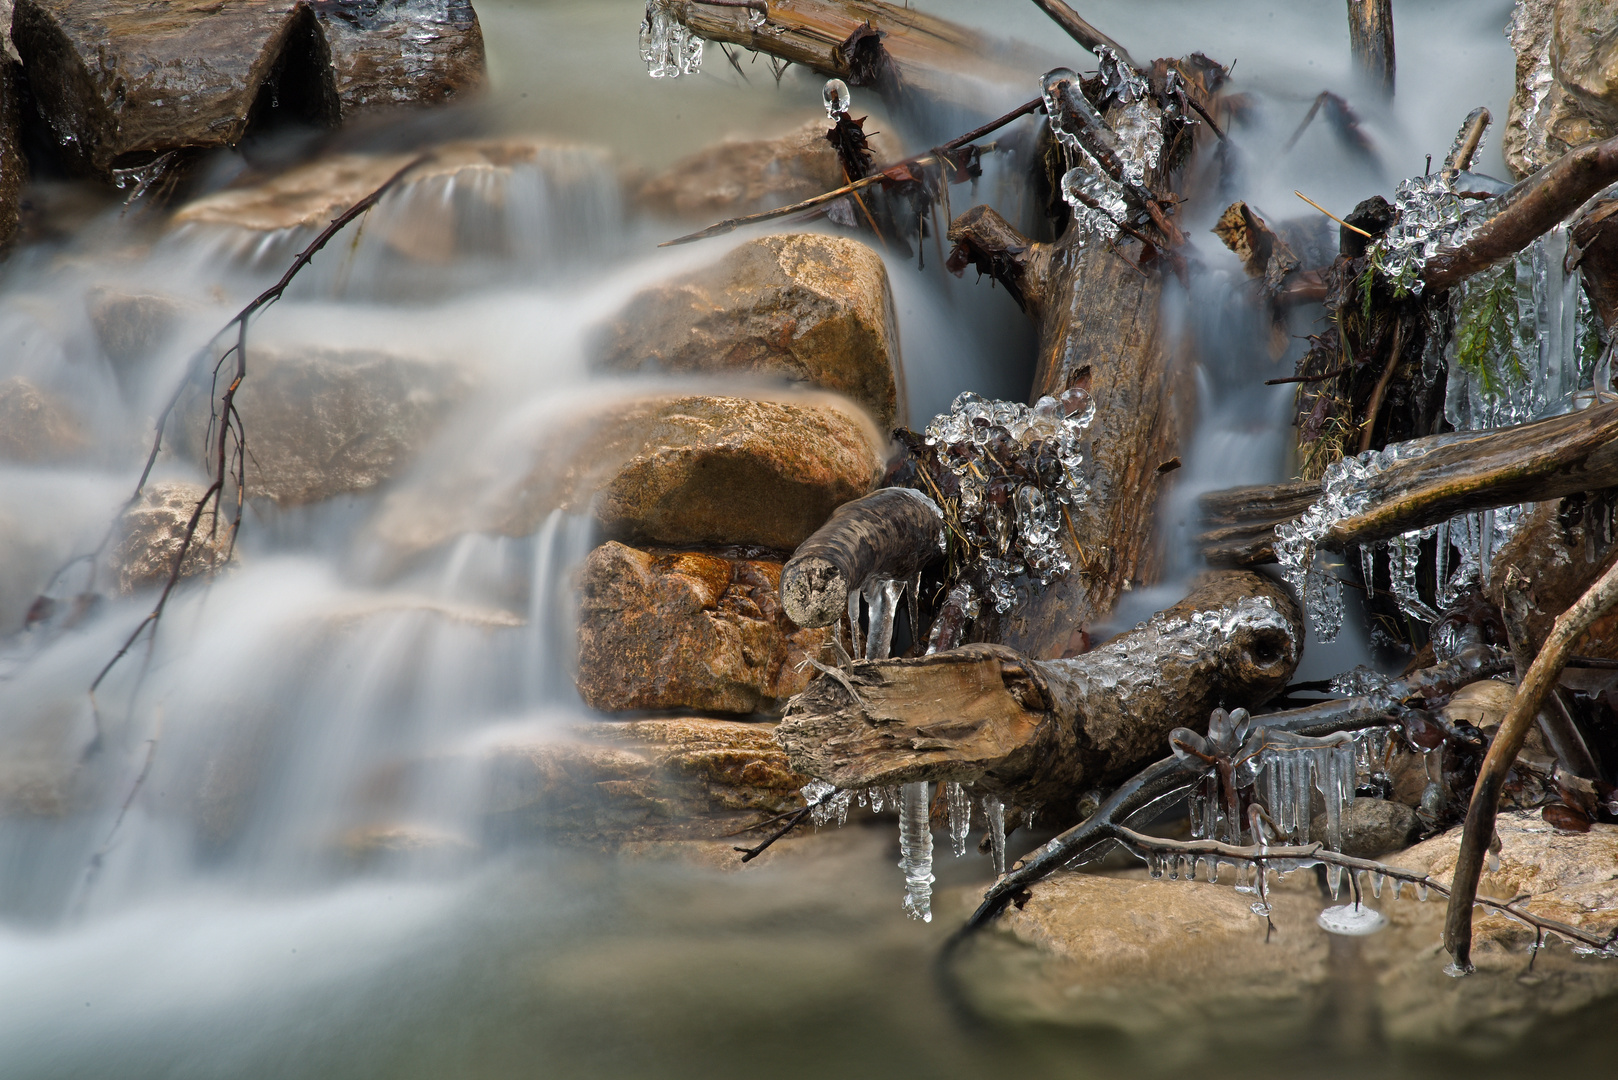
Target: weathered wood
<point>1526,212</point>
<point>1596,238</point>
<point>1459,472</point>
<point>987,241</point>
<point>1370,38</point>
<point>1239,523</point>
<point>890,533</point>
<point>120,82</point>
<point>923,54</point>
<point>1265,256</point>
<point>1081,31</point>
<point>1039,732</point>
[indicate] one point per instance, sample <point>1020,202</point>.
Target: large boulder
<point>640,780</point>
<point>687,629</point>
<point>1567,79</point>
<point>324,421</point>
<point>35,425</point>
<point>814,309</point>
<point>668,469</point>
<point>1153,958</point>
<point>740,176</point>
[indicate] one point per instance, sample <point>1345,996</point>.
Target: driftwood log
<point>1370,39</point>
<point>900,52</point>
<point>890,533</point>
<point>1041,732</point>
<point>1434,479</point>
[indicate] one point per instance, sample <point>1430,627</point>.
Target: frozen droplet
<point>836,98</point>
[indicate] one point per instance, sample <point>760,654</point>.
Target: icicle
<point>995,813</point>
<point>1376,884</point>
<point>1334,879</point>
<point>960,815</point>
<point>1421,891</point>
<point>667,47</point>
<point>877,794</point>
<point>1154,864</point>
<point>882,601</point>
<point>916,849</point>
<point>1397,885</point>
<point>854,598</point>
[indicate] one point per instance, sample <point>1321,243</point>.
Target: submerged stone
<point>35,425</point>
<point>814,309</point>
<point>153,530</point>
<point>671,630</point>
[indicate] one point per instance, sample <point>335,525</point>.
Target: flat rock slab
<point>691,630</point>
<point>1150,958</point>
<point>675,470</point>
<point>814,309</point>
<point>120,81</point>
<point>618,781</point>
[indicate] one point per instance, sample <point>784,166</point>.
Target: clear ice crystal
<point>994,812</point>
<point>836,98</point>
<point>882,597</point>
<point>1430,216</point>
<point>960,815</point>
<point>826,802</point>
<point>916,849</point>
<point>668,49</point>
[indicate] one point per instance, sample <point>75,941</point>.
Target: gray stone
<point>1372,827</point>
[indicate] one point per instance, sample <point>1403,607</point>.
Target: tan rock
<point>153,531</point>
<point>131,326</point>
<point>675,470</point>
<point>329,421</point>
<point>1153,959</point>
<point>641,780</point>
<point>740,176</point>
<point>670,630</point>
<point>1567,79</point>
<point>35,426</point>
<point>375,843</point>
<point>815,309</point>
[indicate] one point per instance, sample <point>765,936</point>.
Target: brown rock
<point>642,780</point>
<point>131,326</point>
<point>1154,959</point>
<point>1372,828</point>
<point>669,630</point>
<point>152,532</point>
<point>13,165</point>
<point>327,421</point>
<point>815,309</point>
<point>121,82</point>
<point>34,425</point>
<point>672,470</point>
<point>740,176</point>
<point>1567,79</point>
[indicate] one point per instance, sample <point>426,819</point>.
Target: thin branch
<point>1307,378</point>
<point>795,819</point>
<point>1536,685</point>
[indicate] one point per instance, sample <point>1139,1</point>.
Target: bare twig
<point>793,820</point>
<point>1334,217</point>
<point>1541,678</point>
<point>1307,378</point>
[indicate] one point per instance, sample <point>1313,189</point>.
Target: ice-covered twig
<point>1266,856</point>
<point>1532,691</point>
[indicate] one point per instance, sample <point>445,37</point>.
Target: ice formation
<point>916,849</point>
<point>1105,161</point>
<point>959,805</point>
<point>666,46</point>
<point>836,98</point>
<point>1015,470</point>
<point>995,813</point>
<point>1351,920</point>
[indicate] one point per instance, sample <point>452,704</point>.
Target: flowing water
<point>178,893</point>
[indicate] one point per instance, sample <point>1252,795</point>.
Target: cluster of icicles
<point>913,802</point>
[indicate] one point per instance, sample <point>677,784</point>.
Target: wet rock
<point>640,780</point>
<point>1372,828</point>
<point>330,421</point>
<point>13,165</point>
<point>671,630</point>
<point>35,425</point>
<point>1148,959</point>
<point>132,326</point>
<point>740,176</point>
<point>152,532</point>
<point>370,844</point>
<point>121,83</point>
<point>672,470</point>
<point>1567,79</point>
<point>815,309</point>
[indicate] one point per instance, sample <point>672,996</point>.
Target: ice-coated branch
<point>890,533</point>
<point>1298,856</point>
<point>1526,212</point>
<point>1160,784</point>
<point>1081,31</point>
<point>1532,691</point>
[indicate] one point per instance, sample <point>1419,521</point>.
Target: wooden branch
<point>1081,31</point>
<point>987,241</point>
<point>890,533</point>
<point>1039,732</point>
<point>1526,212</point>
<point>1436,478</point>
<point>1595,238</point>
<point>1370,38</point>
<point>1157,786</point>
<point>1530,698</point>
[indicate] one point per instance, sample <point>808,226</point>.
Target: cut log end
<point>813,591</point>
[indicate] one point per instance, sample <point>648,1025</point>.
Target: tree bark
<point>1038,733</point>
<point>1370,38</point>
<point>1596,238</point>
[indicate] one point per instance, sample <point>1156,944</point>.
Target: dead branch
<point>1082,32</point>
<point>1526,212</point>
<point>231,467</point>
<point>1532,691</point>
<point>890,533</point>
